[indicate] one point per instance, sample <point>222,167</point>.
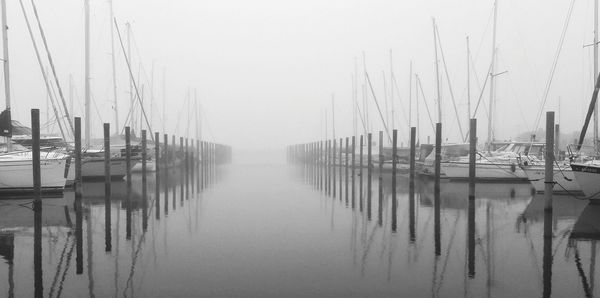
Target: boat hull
<point>588,177</point>
<point>564,178</point>
<point>16,176</point>
<point>485,172</point>
<point>93,169</point>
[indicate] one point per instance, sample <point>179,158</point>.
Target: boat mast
<point>490,136</point>
<point>596,71</point>
<point>6,69</point>
<point>410,75</point>
<point>87,73</point>
<point>437,74</point>
<point>131,96</point>
<point>392,78</point>
<point>468,82</point>
<point>333,116</point>
<point>114,69</point>
<point>164,99</point>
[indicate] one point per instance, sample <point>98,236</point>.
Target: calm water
<point>262,230</point>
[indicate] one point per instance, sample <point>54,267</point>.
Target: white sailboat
<point>92,166</point>
<point>16,170</point>
<point>587,173</point>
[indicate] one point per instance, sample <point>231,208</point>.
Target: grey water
<point>264,229</point>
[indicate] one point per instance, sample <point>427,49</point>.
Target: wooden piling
<point>360,174</point>
<point>346,170</point>
<point>549,158</point>
<point>186,161</point>
<point>340,169</point>
<point>37,203</point>
<point>438,155</point>
<point>145,182</point>
<point>107,189</point>
<point>352,169</point>
<point>78,204</point>
<point>369,173</point>
<point>78,181</point>
<point>394,163</point>
<point>472,157</point>
<point>198,168</point>
<point>333,167</point>
<point>128,154</point>
<point>182,170</point>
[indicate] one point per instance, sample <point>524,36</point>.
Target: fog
<point>265,71</point>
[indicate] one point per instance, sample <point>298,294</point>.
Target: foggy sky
<point>265,70</point>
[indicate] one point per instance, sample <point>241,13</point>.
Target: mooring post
<point>128,166</point>
<point>37,203</point>
<point>549,173</point>
<point>548,208</point>
<point>192,166</point>
<point>327,169</point>
<point>202,165</point>
<point>352,170</point>
<point>411,189</point>
<point>346,170</point>
<point>471,207</point>
<point>78,204</point>
<point>145,182</point>
<point>340,169</point>
<point>333,167</point>
<point>380,181</point>
<point>187,167</point>
<point>472,157</point>
<point>157,157</point>
<point>369,173</point>
<point>128,154</point>
<point>78,180</point>
<point>360,174</point>
<point>182,169</point>
<point>438,156</point>
<point>557,154</point>
<point>394,162</point>
<point>198,168</point>
<point>107,189</point>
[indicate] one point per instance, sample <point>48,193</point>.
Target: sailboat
<point>93,159</point>
<point>587,172</point>
<point>16,166</point>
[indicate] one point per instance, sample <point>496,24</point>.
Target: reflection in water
<point>258,226</point>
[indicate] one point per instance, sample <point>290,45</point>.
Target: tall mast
<point>6,67</point>
<point>87,74</point>
<point>365,94</point>
<point>492,102</point>
<point>71,106</point>
<point>392,80</point>
<point>596,71</point>
<point>355,94</point>
<point>332,116</point>
<point>114,69</point>
<point>468,82</point>
<point>437,74</point>
<point>410,96</point>
<point>131,96</point>
<point>164,100</point>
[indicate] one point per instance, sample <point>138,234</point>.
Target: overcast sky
<point>265,70</point>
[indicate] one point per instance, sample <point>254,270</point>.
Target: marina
<point>305,149</point>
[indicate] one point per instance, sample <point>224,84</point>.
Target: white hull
<point>563,177</point>
<point>16,175</point>
<point>93,168</point>
<point>588,177</point>
<point>484,171</point>
<point>150,167</point>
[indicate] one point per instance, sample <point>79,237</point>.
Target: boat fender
<point>513,167</point>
